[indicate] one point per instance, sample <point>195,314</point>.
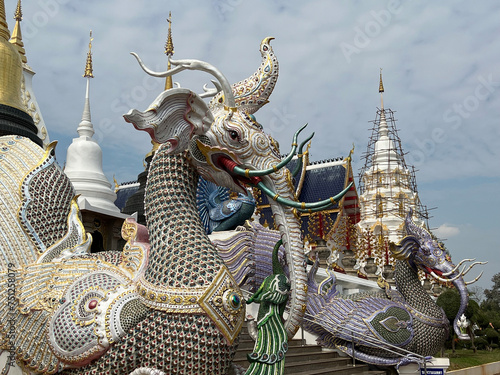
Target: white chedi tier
<point>84,168</point>
<point>388,193</point>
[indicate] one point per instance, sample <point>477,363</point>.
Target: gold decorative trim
<point>178,300</point>
<point>223,302</point>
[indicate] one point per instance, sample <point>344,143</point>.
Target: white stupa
<point>84,161</point>
<point>27,93</point>
<point>387,186</point>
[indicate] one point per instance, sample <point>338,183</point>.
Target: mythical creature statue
<point>218,210</point>
<point>167,302</point>
<point>268,356</point>
<point>389,327</point>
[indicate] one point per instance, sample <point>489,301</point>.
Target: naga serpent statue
<point>166,302</point>
<point>388,328</point>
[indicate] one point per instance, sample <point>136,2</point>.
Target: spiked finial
<point>17,39</point>
<point>169,45</point>
<point>381,84</point>
<point>381,90</point>
<point>18,16</point>
<point>88,65</point>
<point>169,51</point>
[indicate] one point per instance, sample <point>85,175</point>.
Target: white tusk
<point>445,280</point>
<point>470,267</point>
<point>473,281</point>
<point>458,265</point>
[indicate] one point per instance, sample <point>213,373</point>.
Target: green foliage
<point>493,295</point>
<point>449,301</point>
<point>481,343</point>
<point>491,334</point>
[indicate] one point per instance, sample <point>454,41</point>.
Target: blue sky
<point>440,68</point>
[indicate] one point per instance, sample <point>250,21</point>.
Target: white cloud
<point>446,231</point>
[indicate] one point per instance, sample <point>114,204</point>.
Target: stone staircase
<point>306,359</point>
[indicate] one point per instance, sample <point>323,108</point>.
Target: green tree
<point>449,301</point>
<point>493,295</point>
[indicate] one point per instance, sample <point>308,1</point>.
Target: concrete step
<point>325,367</point>
<point>303,357</point>
<point>306,359</point>
<point>293,350</point>
<point>247,343</point>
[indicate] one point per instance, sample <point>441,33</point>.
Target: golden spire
<point>169,51</point>
<point>381,84</point>
<point>18,16</point>
<point>381,89</point>
<point>169,45</point>
<point>88,64</point>
<point>4,30</point>
<point>17,39</point>
<point>11,68</point>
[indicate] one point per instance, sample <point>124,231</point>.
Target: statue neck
<point>409,285</point>
<point>181,254</point>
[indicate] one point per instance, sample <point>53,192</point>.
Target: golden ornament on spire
<point>18,16</point>
<point>88,66</point>
<point>381,84</point>
<point>17,39</point>
<point>169,45</point>
<point>169,51</point>
<point>11,69</point>
<point>381,90</point>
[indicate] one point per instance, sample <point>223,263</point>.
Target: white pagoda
<point>96,199</point>
<point>387,188</point>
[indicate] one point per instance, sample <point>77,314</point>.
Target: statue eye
<point>233,134</point>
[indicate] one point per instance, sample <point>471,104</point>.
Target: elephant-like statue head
<point>420,250</point>
<point>228,146</point>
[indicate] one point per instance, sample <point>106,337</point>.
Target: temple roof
<point>323,180</point>
<point>124,192</point>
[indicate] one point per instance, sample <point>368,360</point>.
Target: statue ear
<point>407,246</point>
<point>174,116</point>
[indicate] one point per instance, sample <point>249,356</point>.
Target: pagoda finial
<point>17,39</point>
<point>88,65</point>
<point>85,128</point>
<point>18,16</point>
<point>169,45</point>
<point>169,51</point>
<point>381,89</point>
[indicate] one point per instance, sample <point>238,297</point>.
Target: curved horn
<point>209,92</point>
<point>181,65</point>
<point>257,173</point>
<point>301,205</point>
<point>252,93</point>
<point>300,155</point>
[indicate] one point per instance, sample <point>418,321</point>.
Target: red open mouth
<point>437,272</point>
<point>225,163</point>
